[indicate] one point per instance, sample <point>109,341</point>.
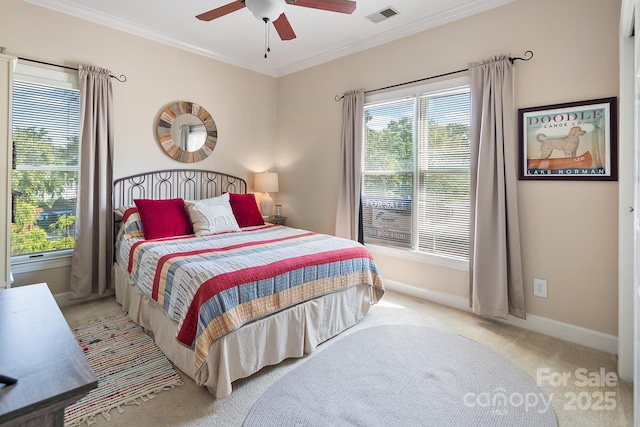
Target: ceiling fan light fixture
<point>266,9</point>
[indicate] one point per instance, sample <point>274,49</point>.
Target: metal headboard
<point>189,184</point>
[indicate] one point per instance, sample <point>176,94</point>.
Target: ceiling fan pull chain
<point>266,37</point>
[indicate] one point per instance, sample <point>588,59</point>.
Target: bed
<point>225,299</point>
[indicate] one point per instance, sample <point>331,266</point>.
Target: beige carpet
<point>190,405</point>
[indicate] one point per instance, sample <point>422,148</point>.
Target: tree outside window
<point>44,178</point>
<point>416,164</point>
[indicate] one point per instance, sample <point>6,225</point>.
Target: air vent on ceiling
<point>381,15</point>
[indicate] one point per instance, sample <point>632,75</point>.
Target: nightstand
<point>275,220</point>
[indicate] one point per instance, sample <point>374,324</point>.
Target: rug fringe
<point>91,419</point>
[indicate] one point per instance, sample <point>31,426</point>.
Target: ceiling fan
<point>273,11</point>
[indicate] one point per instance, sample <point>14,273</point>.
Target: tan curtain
<point>495,263</point>
<point>93,249</point>
<point>348,211</point>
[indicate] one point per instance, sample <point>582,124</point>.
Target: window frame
<point>65,80</point>
<point>412,254</point>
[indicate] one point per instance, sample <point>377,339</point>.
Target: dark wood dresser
<point>38,349</point>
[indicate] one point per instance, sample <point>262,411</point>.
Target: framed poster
<point>572,141</point>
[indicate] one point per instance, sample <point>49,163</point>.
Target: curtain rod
<point>528,55</point>
<point>121,79</point>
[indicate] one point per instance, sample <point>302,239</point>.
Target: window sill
<point>27,265</point>
<point>416,256</point>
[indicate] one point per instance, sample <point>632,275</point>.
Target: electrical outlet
<point>540,288</point>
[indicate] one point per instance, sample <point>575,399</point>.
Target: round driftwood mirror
<point>186,132</point>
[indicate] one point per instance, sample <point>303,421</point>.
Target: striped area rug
<point>129,366</point>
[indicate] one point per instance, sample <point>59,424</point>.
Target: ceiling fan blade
<point>221,11</point>
<point>283,27</point>
<point>341,6</point>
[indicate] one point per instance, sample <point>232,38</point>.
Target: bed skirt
<point>292,332</point>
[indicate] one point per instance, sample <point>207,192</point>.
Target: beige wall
<point>241,102</point>
<point>569,229</point>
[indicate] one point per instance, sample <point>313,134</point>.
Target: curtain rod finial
<point>527,56</point>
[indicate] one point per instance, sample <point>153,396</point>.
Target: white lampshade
<point>266,182</point>
<point>266,9</point>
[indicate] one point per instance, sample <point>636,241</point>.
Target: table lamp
<point>266,182</point>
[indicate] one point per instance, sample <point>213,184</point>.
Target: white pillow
<point>212,216</point>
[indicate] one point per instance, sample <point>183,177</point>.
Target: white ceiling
<point>239,38</point>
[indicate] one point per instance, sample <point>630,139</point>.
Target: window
<point>44,178</point>
<point>416,164</point>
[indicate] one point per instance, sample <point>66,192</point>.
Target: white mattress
<point>292,332</point>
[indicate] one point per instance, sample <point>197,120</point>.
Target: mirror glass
<point>186,132</point>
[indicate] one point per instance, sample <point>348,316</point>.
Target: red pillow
<point>163,218</point>
<point>245,209</point>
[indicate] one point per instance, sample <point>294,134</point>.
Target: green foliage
<point>63,227</point>
<point>45,171</point>
<point>390,148</point>
<point>26,236</point>
<point>64,243</point>
<point>41,164</point>
<point>444,147</point>
<point>26,242</point>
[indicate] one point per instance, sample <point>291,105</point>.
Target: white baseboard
<point>564,331</point>
<point>62,299</point>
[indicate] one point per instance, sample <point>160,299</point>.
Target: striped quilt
<point>212,285</point>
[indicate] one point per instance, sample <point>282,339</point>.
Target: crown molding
<point>416,27</point>
<point>119,24</point>
<point>469,9</point>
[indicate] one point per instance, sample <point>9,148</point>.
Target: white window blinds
<point>388,169</point>
<point>45,131</point>
<point>416,159</point>
<point>443,163</point>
